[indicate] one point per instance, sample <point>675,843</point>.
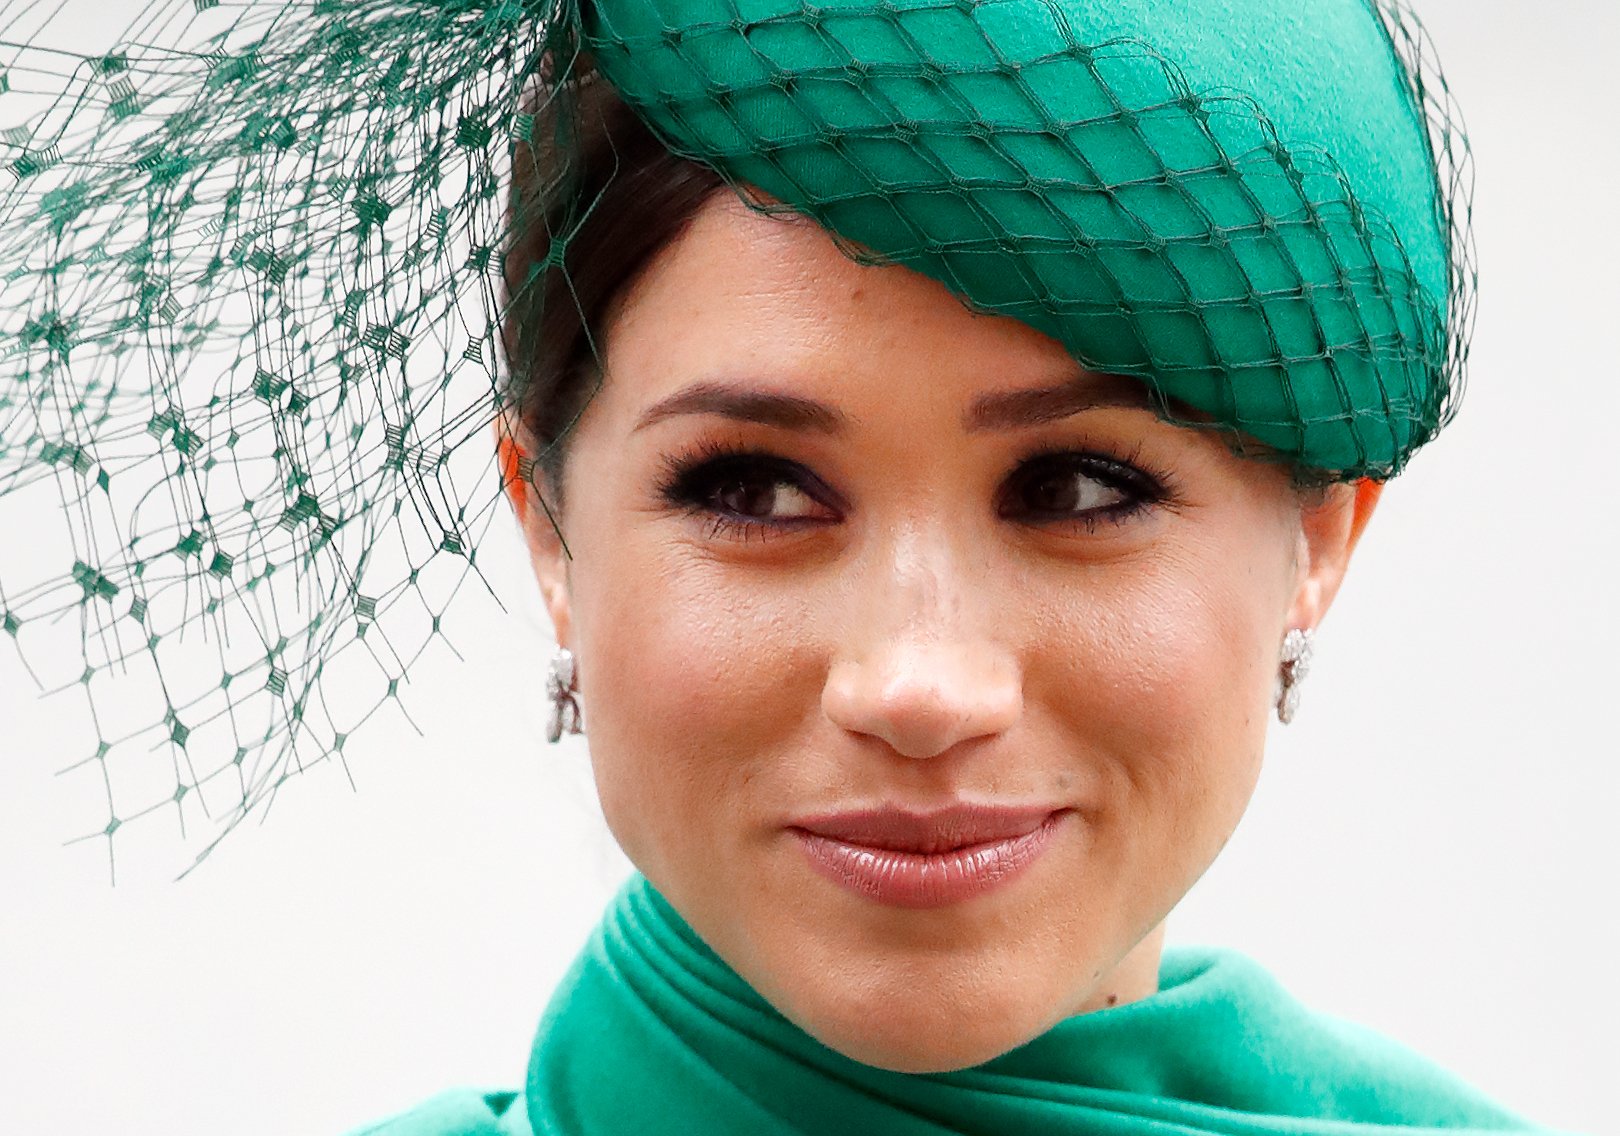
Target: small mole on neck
<point>1113,999</point>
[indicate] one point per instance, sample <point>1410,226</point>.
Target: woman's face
<point>952,566</point>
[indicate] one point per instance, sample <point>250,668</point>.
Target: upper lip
<point>955,826</point>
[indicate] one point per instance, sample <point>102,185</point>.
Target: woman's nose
<point>922,668</point>
<point>923,701</point>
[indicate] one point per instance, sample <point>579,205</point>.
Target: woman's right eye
<point>759,493</point>
<point>743,493</point>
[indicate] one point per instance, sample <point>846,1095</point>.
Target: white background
<point>1432,850</point>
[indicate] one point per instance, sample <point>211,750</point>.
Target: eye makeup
<point>1050,485</point>
<point>741,490</point>
<point>721,482</point>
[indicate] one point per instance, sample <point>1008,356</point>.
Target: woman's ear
<point>1331,524</point>
<point>539,519</point>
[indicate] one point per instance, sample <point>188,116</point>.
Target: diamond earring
<point>560,689</point>
<point>1296,662</point>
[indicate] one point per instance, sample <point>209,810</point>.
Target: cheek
<point>1162,685</point>
<point>1188,634</point>
<point>688,688</point>
<point>1180,658</point>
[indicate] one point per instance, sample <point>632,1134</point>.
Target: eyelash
<point>692,477</point>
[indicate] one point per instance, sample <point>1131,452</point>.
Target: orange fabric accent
<point>511,456</point>
<point>1368,491</point>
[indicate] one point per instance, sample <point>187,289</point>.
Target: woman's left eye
<point>1084,488</point>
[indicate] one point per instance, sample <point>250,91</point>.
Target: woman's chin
<point>919,1030</point>
<point>939,1051</point>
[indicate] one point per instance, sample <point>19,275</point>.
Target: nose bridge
<point>923,662</point>
<point>920,581</point>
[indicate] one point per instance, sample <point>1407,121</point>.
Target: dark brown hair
<point>593,199</point>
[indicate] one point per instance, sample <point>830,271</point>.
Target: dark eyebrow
<point>1000,410</point>
<point>1013,410</point>
<point>748,404</point>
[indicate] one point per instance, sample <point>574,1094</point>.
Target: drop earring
<point>1296,662</point>
<point>560,689</point>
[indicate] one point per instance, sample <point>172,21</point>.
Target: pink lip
<point>926,859</point>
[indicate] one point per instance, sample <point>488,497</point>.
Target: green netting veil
<point>255,273</point>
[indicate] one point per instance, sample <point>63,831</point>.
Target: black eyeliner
<point>1146,487</point>
<point>687,475</point>
<point>690,478</point>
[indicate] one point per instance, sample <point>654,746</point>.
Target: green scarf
<point>650,1032</point>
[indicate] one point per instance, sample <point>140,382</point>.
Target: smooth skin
<point>903,628</point>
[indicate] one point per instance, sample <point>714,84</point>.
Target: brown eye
<point>1077,486</point>
<point>1071,492</point>
<point>763,495</point>
<point>744,494</point>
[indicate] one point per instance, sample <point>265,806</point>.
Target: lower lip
<point>918,879</point>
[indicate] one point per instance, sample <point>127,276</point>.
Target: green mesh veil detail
<point>252,293</point>
<point>248,312</point>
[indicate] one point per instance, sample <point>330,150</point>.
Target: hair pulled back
<point>567,262</point>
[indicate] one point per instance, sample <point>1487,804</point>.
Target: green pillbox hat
<point>1236,200</point>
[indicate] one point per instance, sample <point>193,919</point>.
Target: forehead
<point>774,295</point>
<point>745,299</point>
<point>762,319</point>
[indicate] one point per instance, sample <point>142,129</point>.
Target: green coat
<point>651,1032</point>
